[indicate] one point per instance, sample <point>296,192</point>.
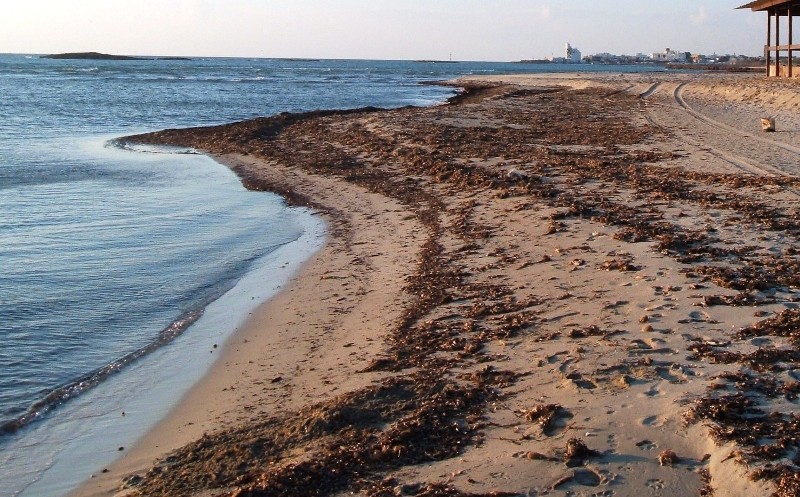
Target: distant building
<point>668,55</point>
<point>572,54</point>
<point>741,60</point>
<point>609,58</point>
<point>699,58</point>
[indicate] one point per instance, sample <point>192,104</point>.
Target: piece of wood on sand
<point>768,124</point>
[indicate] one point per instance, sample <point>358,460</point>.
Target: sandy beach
<point>577,285</point>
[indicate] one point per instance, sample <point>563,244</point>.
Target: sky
<point>493,30</point>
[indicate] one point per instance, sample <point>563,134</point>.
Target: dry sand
<point>548,287</point>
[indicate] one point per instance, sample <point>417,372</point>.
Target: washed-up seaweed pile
<point>400,422</point>
<point>344,145</point>
<point>350,444</point>
<point>441,155</point>
<point>769,438</point>
<point>761,360</point>
<point>544,415</point>
<point>740,268</point>
<point>785,324</point>
<point>563,150</point>
<point>393,488</point>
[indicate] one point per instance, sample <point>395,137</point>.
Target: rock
<point>576,452</point>
<point>667,458</point>
<point>89,56</point>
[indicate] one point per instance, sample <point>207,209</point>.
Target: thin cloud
<point>543,13</point>
<point>700,17</point>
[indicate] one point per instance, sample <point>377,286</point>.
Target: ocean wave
<point>76,387</point>
<point>122,144</point>
<point>69,70</point>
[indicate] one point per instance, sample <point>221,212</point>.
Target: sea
<point>122,270</point>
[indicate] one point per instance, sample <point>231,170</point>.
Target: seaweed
<point>433,395</point>
<point>545,415</point>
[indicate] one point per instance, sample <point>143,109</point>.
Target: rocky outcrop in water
<point>103,56</point>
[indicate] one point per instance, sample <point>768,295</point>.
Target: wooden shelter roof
<point>761,5</point>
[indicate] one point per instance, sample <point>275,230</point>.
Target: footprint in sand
<point>587,478</point>
<point>647,444</point>
<point>649,421</point>
<point>673,374</point>
<point>577,380</point>
<point>653,391</point>
<point>552,359</point>
<point>655,484</point>
<point>564,366</point>
<point>699,316</point>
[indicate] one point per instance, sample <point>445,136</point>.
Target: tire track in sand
<point>702,138</point>
<point>713,122</point>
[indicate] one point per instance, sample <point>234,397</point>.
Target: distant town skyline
<point>502,30</point>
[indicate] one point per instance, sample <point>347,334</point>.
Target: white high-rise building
<point>572,54</point>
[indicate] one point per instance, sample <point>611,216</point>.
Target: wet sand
<point>556,284</point>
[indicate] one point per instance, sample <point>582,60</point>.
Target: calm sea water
<point>110,257</point>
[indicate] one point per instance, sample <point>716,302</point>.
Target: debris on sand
<point>576,156</point>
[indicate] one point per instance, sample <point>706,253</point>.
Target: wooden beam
<point>778,43</point>
<point>767,53</point>
<point>784,48</point>
<point>790,40</point>
<point>762,5</point>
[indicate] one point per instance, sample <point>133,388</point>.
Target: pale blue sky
<point>379,29</point>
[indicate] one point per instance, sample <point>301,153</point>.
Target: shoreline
<point>123,410</point>
<point>200,410</point>
<point>533,298</point>
<point>57,453</point>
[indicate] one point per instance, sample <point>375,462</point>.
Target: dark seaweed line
<point>58,396</point>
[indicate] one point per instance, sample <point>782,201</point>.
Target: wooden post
<point>777,43</point>
<point>767,49</point>
<point>790,41</point>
